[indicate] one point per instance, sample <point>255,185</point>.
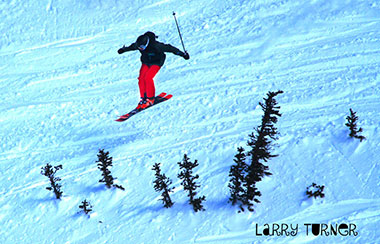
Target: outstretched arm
<point>124,49</point>
<point>171,49</point>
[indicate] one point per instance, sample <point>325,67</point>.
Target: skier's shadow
<point>95,189</point>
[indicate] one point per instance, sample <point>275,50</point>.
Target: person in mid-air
<point>152,59</point>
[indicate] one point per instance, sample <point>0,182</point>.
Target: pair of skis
<point>158,99</point>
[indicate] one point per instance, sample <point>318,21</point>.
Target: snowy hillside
<point>63,84</point>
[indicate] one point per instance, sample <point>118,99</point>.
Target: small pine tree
<point>189,184</point>
<point>162,183</point>
<point>352,125</point>
<point>104,162</point>
<point>49,171</point>
<point>237,175</point>
<point>315,191</point>
<point>86,207</point>
<point>261,145</point>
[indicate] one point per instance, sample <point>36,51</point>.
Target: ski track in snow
<point>63,85</point>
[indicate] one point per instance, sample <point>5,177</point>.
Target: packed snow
<point>63,84</point>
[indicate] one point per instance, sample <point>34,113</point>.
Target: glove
<point>121,50</point>
<point>186,56</point>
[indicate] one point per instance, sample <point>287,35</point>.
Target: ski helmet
<point>142,42</point>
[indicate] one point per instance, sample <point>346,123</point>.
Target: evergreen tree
<point>352,125</point>
<point>86,207</point>
<point>237,175</point>
<point>261,145</point>
<point>189,184</point>
<point>49,171</point>
<point>162,183</point>
<point>104,162</point>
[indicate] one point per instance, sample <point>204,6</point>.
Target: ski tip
<point>162,94</point>
<point>121,119</point>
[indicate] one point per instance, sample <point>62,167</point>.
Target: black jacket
<point>154,54</point>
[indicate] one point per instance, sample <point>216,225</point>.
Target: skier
<point>152,59</point>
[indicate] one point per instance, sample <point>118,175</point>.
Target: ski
<point>158,99</point>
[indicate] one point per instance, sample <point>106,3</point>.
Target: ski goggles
<point>143,46</point>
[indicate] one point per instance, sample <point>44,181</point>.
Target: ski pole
<point>179,32</point>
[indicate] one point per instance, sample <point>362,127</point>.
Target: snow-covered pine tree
<point>352,125</point>
<point>189,184</point>
<point>86,207</point>
<point>104,162</point>
<point>162,183</point>
<point>260,143</point>
<point>49,171</point>
<point>237,176</point>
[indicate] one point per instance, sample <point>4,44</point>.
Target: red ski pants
<point>146,83</point>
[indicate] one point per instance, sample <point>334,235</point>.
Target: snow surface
<point>63,85</point>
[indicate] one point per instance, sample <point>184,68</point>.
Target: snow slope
<point>63,84</point>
